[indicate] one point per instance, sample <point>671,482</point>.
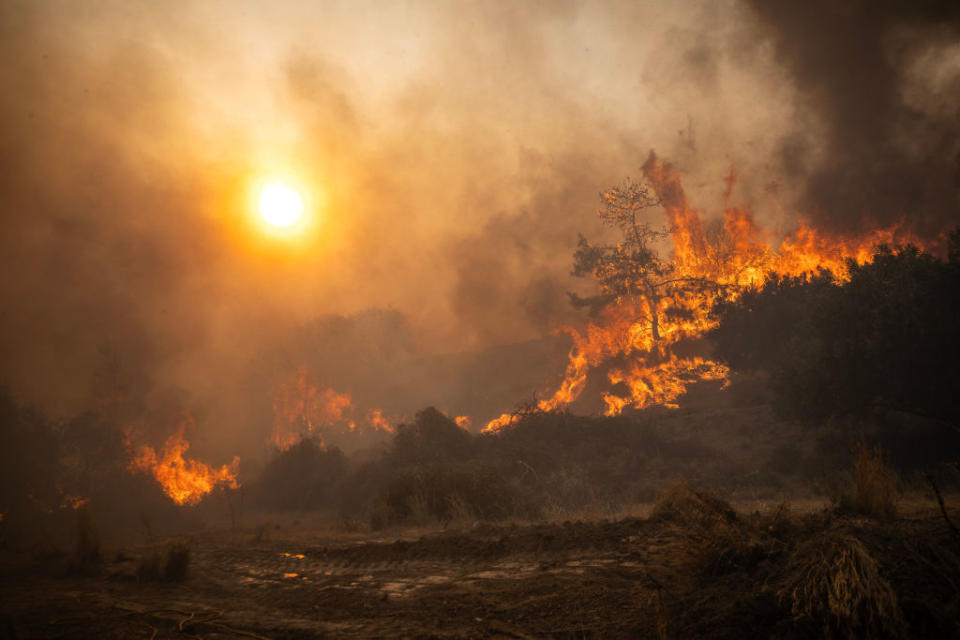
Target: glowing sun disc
<point>280,206</point>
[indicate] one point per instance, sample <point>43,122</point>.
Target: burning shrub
<point>184,479</point>
<point>874,484</point>
<point>833,582</point>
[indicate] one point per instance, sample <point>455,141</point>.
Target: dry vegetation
<point>832,580</point>
<point>563,526</point>
<point>695,568</point>
<point>709,538</point>
<point>875,484</point>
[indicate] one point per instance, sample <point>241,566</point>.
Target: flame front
<point>302,409</point>
<point>185,480</point>
<point>636,338</point>
<point>376,420</point>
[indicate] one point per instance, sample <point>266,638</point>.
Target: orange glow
<point>738,256</point>
<point>376,420</point>
<point>303,409</point>
<point>73,502</point>
<point>185,480</point>
<point>464,422</point>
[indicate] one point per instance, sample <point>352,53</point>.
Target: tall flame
<point>185,480</point>
<point>734,256</point>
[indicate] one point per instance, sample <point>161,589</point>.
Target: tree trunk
<point>652,300</point>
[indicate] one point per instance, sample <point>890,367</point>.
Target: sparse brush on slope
<point>833,582</point>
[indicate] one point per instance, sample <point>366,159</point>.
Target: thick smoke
<point>453,152</point>
<point>877,132</point>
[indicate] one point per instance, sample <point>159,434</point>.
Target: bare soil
<point>619,579</point>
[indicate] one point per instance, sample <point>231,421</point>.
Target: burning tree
<point>649,304</point>
<point>631,272</point>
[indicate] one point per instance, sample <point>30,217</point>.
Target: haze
<point>451,151</point>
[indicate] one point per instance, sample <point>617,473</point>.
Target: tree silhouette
<point>632,271</point>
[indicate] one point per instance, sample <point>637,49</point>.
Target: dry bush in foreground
<point>710,540</point>
<point>833,581</point>
<point>874,485</point>
<point>684,504</point>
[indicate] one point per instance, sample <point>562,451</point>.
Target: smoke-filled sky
<point>449,153</point>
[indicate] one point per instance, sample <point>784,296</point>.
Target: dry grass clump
<point>874,485</point>
<point>170,566</point>
<point>832,581</point>
<point>684,504</point>
<point>708,538</point>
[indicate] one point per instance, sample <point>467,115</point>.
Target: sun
<point>280,205</point>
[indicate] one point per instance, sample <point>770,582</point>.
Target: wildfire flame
<point>735,256</point>
<point>302,408</point>
<point>73,502</point>
<point>376,420</point>
<point>185,480</point>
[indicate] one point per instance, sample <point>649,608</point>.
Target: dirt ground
<point>579,579</point>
